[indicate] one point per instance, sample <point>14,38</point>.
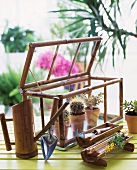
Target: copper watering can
<point>25,138</point>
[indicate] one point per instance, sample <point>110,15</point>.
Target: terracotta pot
<point>80,66</point>
<point>77,122</point>
<point>56,129</point>
<point>92,117</point>
<point>131,123</point>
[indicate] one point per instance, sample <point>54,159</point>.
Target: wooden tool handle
<point>5,132</point>
<point>101,130</point>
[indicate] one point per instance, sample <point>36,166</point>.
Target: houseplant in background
<point>99,18</point>
<point>66,124</point>
<point>9,81</point>
<point>61,30</point>
<point>17,39</point>
<point>77,115</point>
<point>9,94</point>
<point>92,110</point>
<point>61,65</point>
<point>130,108</point>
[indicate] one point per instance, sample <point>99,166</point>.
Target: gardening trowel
<point>48,144</point>
<point>93,133</point>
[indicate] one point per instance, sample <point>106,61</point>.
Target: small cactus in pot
<point>77,115</point>
<point>76,106</point>
<point>66,115</point>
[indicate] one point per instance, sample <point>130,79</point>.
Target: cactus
<point>76,106</point>
<point>65,115</point>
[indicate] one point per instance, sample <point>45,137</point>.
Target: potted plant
<point>130,108</point>
<point>9,81</point>
<point>9,94</point>
<point>16,39</point>
<point>66,124</point>
<point>61,65</point>
<point>94,13</point>
<point>92,110</point>
<point>58,32</point>
<point>77,115</point>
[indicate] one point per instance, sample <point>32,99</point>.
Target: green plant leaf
<point>16,39</point>
<point>101,19</point>
<point>14,92</point>
<point>133,4</point>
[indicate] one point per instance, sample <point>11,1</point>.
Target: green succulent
<point>130,107</point>
<point>118,140</point>
<point>91,100</point>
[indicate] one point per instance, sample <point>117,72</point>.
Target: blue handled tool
<point>48,144</point>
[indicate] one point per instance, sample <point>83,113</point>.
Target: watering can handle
<point>5,131</point>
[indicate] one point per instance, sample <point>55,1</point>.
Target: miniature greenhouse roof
<point>59,80</point>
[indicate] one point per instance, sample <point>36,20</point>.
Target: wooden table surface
<point>66,160</point>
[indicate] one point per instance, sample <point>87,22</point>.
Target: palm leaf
<point>102,20</point>
<point>133,4</point>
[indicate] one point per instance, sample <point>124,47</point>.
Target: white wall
<point>33,14</point>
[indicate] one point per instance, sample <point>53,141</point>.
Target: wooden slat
<point>42,82</point>
<point>66,41</point>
